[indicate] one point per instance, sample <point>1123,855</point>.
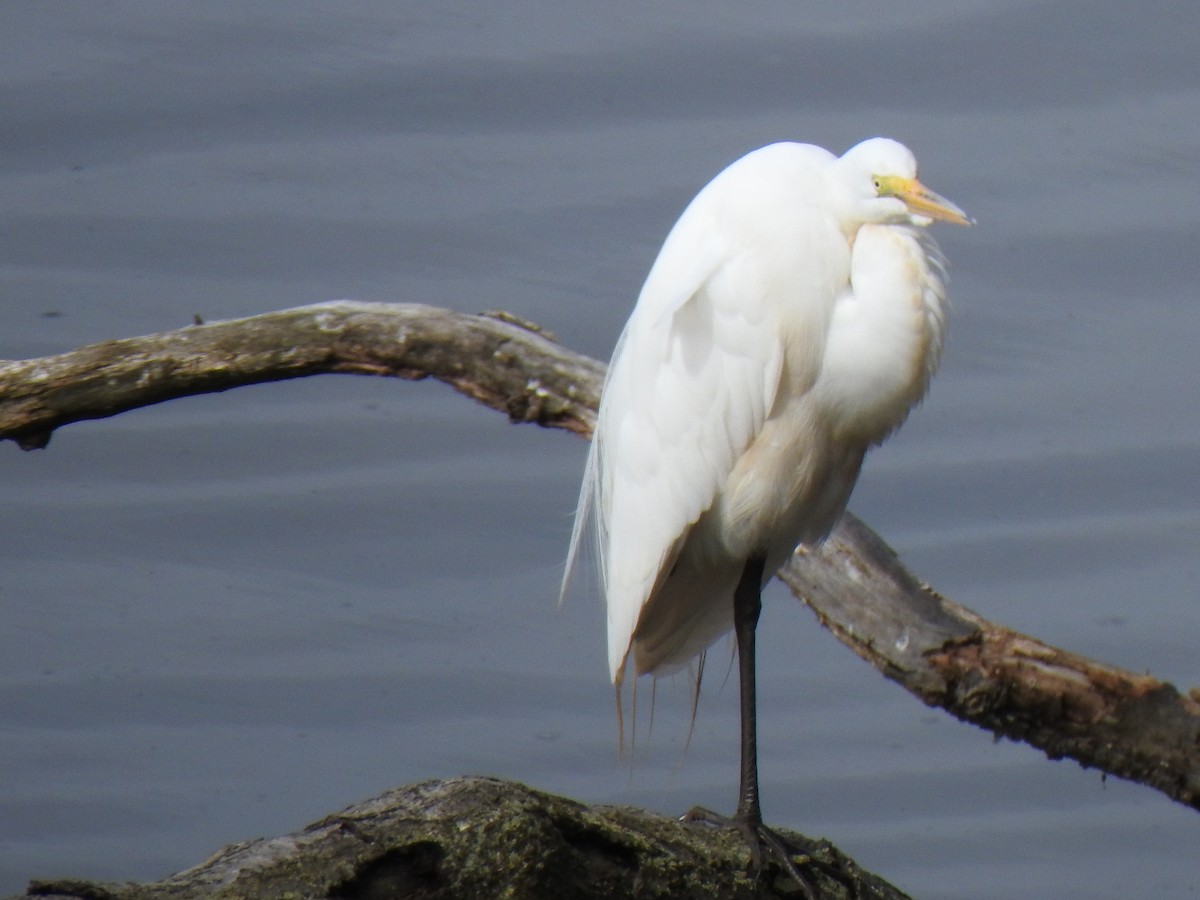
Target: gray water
<point>227,616</point>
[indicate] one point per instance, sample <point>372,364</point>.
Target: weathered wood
<point>482,838</point>
<point>1128,725</point>
<point>494,359</point>
<point>1131,726</point>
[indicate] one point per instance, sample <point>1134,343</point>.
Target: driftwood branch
<point>494,358</point>
<point>1131,726</point>
<point>481,838</point>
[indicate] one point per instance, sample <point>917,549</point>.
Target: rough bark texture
<point>480,839</point>
<point>493,358</point>
<point>1132,726</point>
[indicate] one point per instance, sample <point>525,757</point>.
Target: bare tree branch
<point>1132,726</point>
<point>494,358</point>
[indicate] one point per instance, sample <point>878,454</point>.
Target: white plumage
<point>792,319</point>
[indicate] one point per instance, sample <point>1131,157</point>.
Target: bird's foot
<point>766,844</point>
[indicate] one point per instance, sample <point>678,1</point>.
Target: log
<point>482,838</point>
<point>1128,725</point>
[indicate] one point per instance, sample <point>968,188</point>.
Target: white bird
<point>791,320</point>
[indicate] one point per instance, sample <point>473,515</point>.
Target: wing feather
<point>659,465</point>
<point>693,379</point>
<point>690,385</point>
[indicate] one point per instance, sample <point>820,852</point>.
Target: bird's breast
<point>885,334</point>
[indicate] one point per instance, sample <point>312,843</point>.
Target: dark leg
<point>747,605</point>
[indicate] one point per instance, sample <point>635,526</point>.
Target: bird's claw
<point>763,842</point>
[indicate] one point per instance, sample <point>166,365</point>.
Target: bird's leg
<point>747,605</point>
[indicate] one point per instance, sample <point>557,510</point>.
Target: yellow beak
<point>920,200</point>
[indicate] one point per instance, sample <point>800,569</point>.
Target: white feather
<point>790,321</point>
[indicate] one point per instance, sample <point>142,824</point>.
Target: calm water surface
<point>229,615</point>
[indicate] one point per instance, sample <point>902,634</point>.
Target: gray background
<point>226,616</point>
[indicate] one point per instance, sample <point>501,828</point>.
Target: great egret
<point>790,322</point>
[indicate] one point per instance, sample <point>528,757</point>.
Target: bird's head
<point>880,175</point>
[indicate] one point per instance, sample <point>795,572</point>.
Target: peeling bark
<point>1131,726</point>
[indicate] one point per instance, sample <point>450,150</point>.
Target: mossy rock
<point>468,838</point>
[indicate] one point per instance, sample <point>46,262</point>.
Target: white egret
<point>791,320</point>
